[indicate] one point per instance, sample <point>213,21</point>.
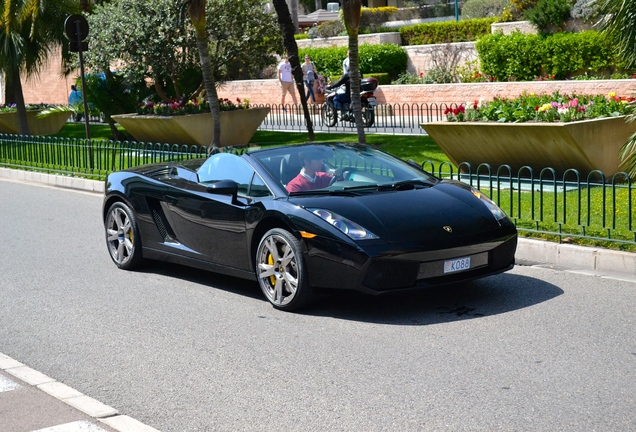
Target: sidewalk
<point>596,261</point>
<point>33,402</point>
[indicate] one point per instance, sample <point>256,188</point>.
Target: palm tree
<point>351,11</point>
<point>620,24</point>
<point>196,12</point>
<point>29,30</point>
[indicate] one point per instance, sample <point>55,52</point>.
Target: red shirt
<point>302,183</point>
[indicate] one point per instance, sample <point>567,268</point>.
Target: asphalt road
<point>185,350</point>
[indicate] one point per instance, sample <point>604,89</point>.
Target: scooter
<point>331,108</point>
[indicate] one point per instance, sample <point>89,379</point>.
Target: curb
<point>529,251</point>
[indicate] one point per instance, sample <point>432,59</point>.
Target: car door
<point>209,226</point>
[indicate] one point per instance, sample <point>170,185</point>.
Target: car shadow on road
<point>468,300</point>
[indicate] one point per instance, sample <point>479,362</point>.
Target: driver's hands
<point>336,172</point>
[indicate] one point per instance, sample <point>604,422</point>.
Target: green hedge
<point>523,57</point>
<point>446,31</point>
<point>374,59</point>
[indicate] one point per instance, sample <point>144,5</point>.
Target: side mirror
<point>223,187</point>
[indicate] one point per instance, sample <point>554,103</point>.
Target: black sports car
<point>357,218</point>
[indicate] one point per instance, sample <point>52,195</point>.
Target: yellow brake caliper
<point>270,261</point>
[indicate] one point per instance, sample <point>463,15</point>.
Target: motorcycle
<point>331,107</point>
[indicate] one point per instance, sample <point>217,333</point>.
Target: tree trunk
<point>351,10</point>
<point>287,28</point>
<point>196,10</point>
<point>13,81</point>
<point>318,4</point>
<point>293,9</point>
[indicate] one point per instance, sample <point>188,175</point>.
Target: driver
<point>311,175</point>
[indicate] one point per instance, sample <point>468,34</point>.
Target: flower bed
<point>550,108</point>
<point>191,122</point>
<point>193,106</point>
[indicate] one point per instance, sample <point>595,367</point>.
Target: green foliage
<point>156,47</point>
<point>483,8</point>
<point>374,59</point>
<point>516,57</point>
<point>112,94</point>
<point>548,16</point>
<point>523,57</point>
<point>331,29</point>
<point>446,31</point>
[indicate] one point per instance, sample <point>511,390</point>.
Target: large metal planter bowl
<point>49,125</point>
<point>237,127</point>
<point>583,145</point>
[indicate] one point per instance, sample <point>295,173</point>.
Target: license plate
<point>372,101</point>
<point>456,265</point>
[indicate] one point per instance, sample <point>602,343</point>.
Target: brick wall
<point>268,91</point>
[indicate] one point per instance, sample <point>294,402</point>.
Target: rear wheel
<point>368,116</point>
<point>281,270</point>
<point>122,236</point>
<point>329,115</point>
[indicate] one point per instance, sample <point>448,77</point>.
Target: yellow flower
<point>545,107</point>
<point>612,94</point>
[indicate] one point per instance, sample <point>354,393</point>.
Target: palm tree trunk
<point>351,10</point>
<point>288,29</point>
<point>210,89</point>
<point>15,82</point>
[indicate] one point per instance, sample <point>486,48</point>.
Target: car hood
<point>445,212</point>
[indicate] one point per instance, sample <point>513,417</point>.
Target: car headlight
<point>350,228</point>
<point>494,208</point>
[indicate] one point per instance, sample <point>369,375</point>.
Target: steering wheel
<point>340,174</point>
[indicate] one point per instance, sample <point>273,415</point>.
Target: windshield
<point>333,168</point>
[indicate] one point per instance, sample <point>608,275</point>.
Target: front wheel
<point>281,270</point>
<point>329,115</point>
<point>122,236</point>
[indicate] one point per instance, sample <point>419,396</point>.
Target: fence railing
<point>563,206</point>
<point>388,118</point>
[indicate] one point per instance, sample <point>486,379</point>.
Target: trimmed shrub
<point>525,57</point>
<point>374,59</point>
<point>446,31</point>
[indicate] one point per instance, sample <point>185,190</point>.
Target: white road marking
<point>7,385</point>
<point>78,426</point>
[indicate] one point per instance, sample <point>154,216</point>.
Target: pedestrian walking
<point>286,81</point>
<point>309,77</point>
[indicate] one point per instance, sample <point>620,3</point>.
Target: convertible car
<point>368,221</point>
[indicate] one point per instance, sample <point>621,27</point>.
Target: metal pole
<point>86,113</point>
<point>456,10</point>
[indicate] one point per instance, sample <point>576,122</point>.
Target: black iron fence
<point>388,118</point>
<point>561,206</point>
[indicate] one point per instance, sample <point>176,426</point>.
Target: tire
<point>368,116</point>
<point>122,237</point>
<point>329,115</point>
<point>281,270</point>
